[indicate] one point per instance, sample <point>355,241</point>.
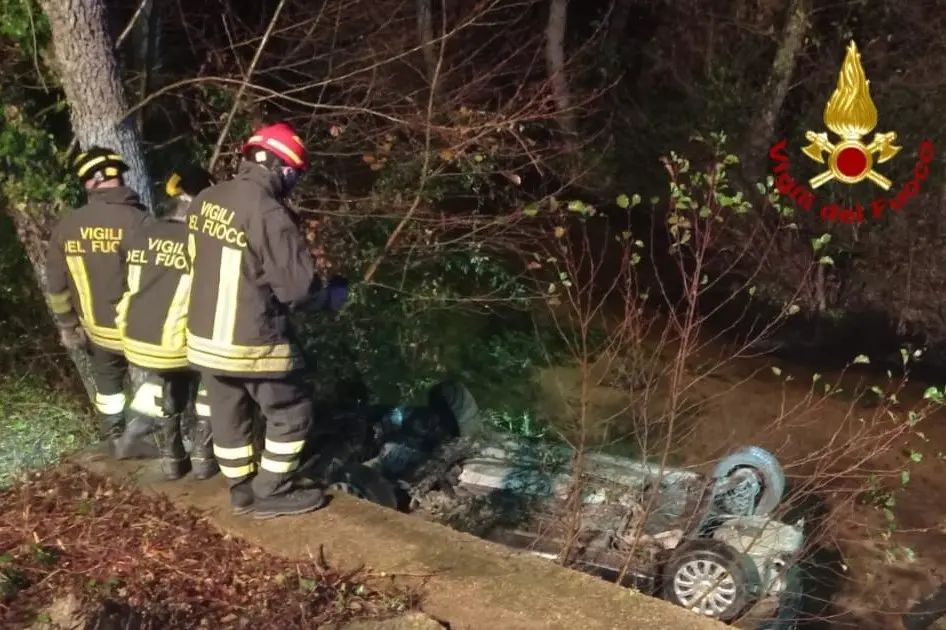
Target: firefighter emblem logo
<point>851,114</point>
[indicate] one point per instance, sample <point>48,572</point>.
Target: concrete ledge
<point>467,582</point>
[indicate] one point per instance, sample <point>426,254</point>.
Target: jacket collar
<point>260,176</point>
<point>120,195</point>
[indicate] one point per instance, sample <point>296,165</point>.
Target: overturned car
<point>710,544</point>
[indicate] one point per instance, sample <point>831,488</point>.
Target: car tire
<point>732,576</point>
<point>768,469</point>
<point>363,482</point>
<point>456,406</point>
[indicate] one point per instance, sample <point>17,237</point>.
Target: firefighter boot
<point>241,496</point>
<point>203,463</point>
<point>111,427</point>
<point>296,501</point>
<point>173,455</point>
<point>133,442</point>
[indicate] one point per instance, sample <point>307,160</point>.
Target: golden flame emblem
<point>851,115</point>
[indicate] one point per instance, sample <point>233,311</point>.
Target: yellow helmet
<point>100,164</point>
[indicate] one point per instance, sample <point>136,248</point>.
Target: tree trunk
<point>90,78</point>
<point>783,67</point>
<point>89,73</point>
<point>425,37</point>
<point>555,64</point>
<point>32,228</point>
<point>144,45</point>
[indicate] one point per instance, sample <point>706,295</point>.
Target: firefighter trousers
<point>108,373</point>
<point>182,388</point>
<point>287,408</point>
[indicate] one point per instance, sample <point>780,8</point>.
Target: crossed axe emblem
<point>882,147</point>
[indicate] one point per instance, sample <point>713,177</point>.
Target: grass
<point>68,534</point>
<point>38,426</point>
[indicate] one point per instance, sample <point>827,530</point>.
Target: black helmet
<point>100,164</point>
<point>188,181</point>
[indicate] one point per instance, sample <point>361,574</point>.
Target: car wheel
<point>365,483</point>
<point>710,578</point>
<point>454,403</point>
<point>767,472</point>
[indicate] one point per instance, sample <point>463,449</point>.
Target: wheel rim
<point>347,488</point>
<point>704,586</point>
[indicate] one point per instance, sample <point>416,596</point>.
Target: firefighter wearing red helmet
<point>251,268</point>
<point>85,272</point>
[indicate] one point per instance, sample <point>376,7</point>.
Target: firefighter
<point>251,269</point>
<point>84,280</point>
<point>152,318</point>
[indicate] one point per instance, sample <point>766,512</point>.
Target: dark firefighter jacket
<point>85,263</point>
<point>251,267</point>
<point>152,316</point>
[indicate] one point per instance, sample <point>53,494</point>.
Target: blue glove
<point>337,294</point>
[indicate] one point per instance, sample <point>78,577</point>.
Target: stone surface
<point>469,583</point>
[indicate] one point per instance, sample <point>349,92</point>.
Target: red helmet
<point>282,141</point>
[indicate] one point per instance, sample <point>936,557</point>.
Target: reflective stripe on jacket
<point>251,267</point>
<point>152,315</point>
<point>85,274</point>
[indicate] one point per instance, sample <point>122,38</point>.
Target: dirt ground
<point>72,539</point>
<point>821,438</point>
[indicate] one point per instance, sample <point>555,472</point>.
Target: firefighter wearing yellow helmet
<point>84,273</point>
<point>152,318</point>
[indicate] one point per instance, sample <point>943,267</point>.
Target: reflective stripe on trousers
<point>281,457</point>
<point>110,404</point>
<point>236,462</point>
<point>148,400</point>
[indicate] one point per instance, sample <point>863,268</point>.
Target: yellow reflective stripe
<point>146,400</point>
<point>85,168</point>
<point>202,409</point>
<point>279,146</point>
<point>277,467</point>
<point>191,246</point>
<point>228,292</point>
<point>175,323</point>
<point>110,404</point>
<point>280,351</point>
<point>133,281</point>
<point>60,303</point>
<point>108,338</point>
<point>269,365</point>
<point>154,350</point>
<point>236,472</point>
<point>284,448</point>
<point>80,278</point>
<point>233,452</point>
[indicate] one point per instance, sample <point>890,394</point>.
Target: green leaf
<point>821,241</point>
<point>826,260</point>
<point>916,456</point>
<point>794,308</point>
<point>624,201</point>
<point>861,358</point>
<point>904,477</point>
<point>531,210</point>
<point>776,371</point>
